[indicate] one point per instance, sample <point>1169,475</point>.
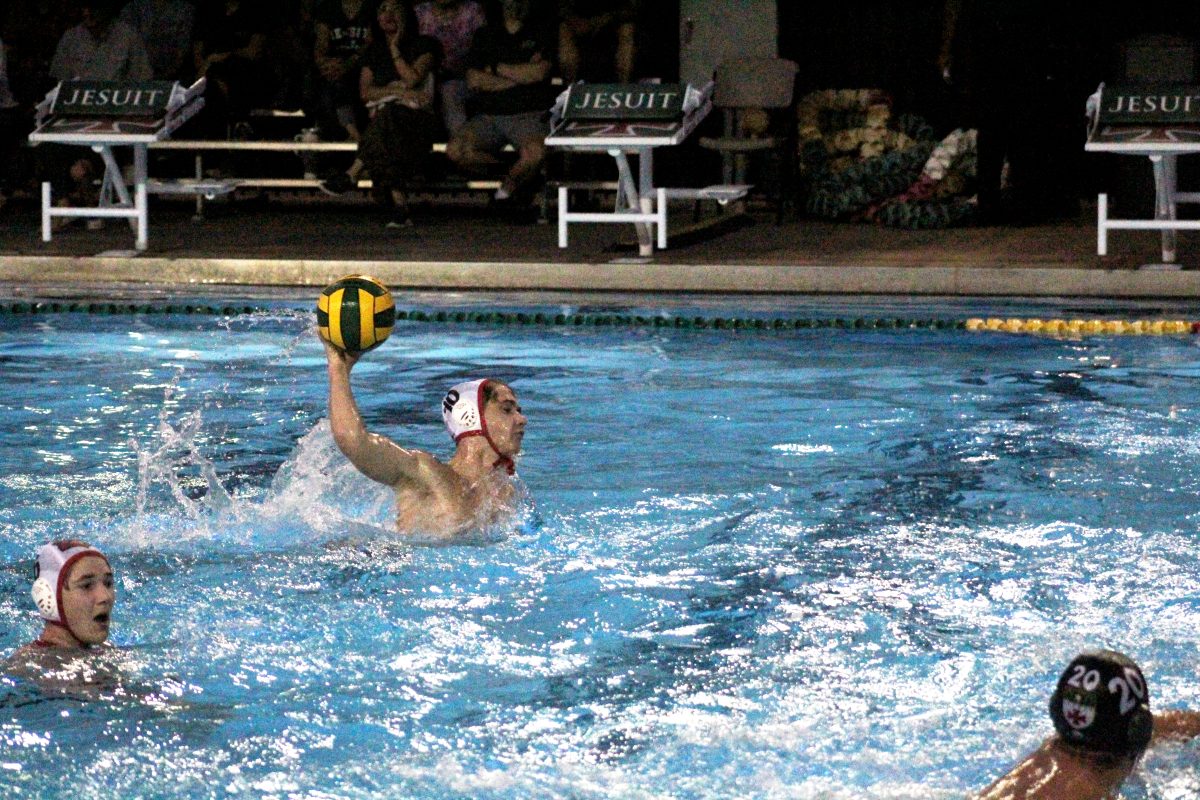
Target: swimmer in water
<point>73,591</point>
<point>1101,712</point>
<point>471,490</point>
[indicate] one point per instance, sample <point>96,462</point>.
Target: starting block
<point>1160,122</point>
<point>103,115</point>
<point>632,119</point>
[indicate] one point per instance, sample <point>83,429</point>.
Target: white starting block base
<point>653,218</point>
<point>115,197</point>
<point>639,202</point>
<point>575,128</point>
<point>119,198</point>
<point>121,201</point>
<point>1167,199</point>
<point>1148,121</point>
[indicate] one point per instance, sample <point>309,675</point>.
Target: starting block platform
<point>1159,122</point>
<point>104,115</point>
<point>632,119</point>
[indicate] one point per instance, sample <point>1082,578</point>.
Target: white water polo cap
<point>54,562</point>
<point>462,411</point>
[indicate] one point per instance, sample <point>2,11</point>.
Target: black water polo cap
<point>1102,703</point>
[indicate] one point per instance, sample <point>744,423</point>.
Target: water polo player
<point>1103,723</point>
<point>472,490</point>
<point>73,592</point>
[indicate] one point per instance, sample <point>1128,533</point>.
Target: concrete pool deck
<point>309,243</point>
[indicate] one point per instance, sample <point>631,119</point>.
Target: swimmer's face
<point>505,422</point>
<point>88,598</point>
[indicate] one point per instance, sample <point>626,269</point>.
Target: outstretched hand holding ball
<point>355,314</point>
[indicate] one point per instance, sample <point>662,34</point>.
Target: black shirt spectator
<point>378,58</point>
<point>597,39</point>
<point>348,36</point>
<point>343,32</point>
<point>230,50</point>
<point>397,80</point>
<point>495,45</point>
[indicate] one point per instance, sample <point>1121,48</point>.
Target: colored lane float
<point>1087,327</point>
<point>1045,327</point>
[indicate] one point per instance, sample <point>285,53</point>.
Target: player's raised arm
<point>356,314</point>
<point>374,455</point>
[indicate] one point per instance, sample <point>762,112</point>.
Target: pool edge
<point>955,280</point>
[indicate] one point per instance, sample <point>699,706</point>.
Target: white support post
<point>1102,225</point>
<point>140,203</point>
<point>646,199</point>
<point>1165,177</point>
<point>113,180</point>
<point>562,216</point>
<point>661,213</point>
<point>46,211</point>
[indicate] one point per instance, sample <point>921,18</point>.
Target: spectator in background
<point>1013,63</point>
<point>508,71</point>
<point>290,42</point>
<point>396,82</point>
<point>229,50</point>
<point>165,27</point>
<point>343,33</point>
<point>453,23</point>
<point>100,48</point>
<point>596,40</point>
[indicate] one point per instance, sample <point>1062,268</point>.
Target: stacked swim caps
<point>462,411</point>
<point>1102,703</point>
<point>54,562</point>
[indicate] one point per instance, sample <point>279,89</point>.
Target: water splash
<point>175,450</point>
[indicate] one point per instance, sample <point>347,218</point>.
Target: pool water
<point>807,563</point>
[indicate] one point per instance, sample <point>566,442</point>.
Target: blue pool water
<point>802,564</point>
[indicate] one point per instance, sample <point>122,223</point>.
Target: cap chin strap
<point>66,628</point>
<point>502,460</point>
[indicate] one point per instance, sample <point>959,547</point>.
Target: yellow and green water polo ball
<point>355,313</point>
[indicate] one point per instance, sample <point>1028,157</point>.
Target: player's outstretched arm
<point>376,456</point>
<point>1176,725</point>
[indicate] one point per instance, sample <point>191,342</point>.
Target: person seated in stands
<point>165,27</point>
<point>343,32</point>
<point>509,72</point>
<point>454,24</point>
<point>396,83</point>
<point>596,40</point>
<point>100,48</point>
<point>229,49</point>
